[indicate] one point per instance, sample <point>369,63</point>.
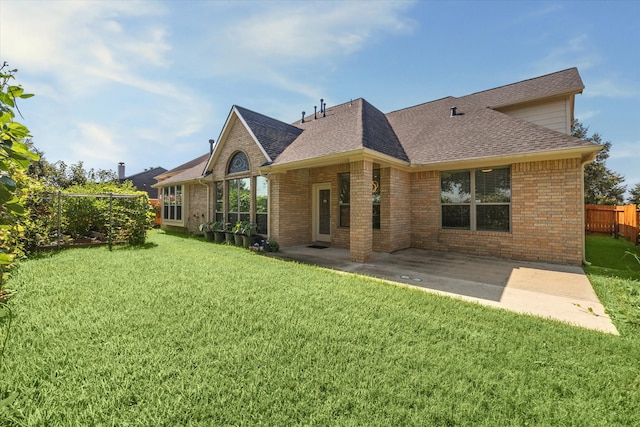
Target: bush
<point>124,219</point>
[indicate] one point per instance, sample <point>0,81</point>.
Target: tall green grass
<point>186,332</point>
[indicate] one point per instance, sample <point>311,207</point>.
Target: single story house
<point>491,173</point>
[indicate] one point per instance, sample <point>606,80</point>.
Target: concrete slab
<point>551,291</point>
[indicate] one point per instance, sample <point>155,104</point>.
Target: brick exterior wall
<point>546,218</point>
<point>290,215</point>
<point>198,211</point>
<point>361,209</point>
<point>395,204</point>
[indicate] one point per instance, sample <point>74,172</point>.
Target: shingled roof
<point>431,135</point>
<point>421,135</point>
<point>272,134</point>
<point>558,83</point>
<point>344,128</point>
<point>145,179</point>
<point>189,171</point>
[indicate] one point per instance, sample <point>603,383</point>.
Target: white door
<point>322,213</point>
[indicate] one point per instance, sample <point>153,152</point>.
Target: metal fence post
<point>59,217</point>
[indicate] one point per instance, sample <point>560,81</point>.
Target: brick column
<point>275,181</point>
<point>360,234</point>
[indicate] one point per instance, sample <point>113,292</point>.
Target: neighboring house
<point>492,173</point>
<point>142,181</point>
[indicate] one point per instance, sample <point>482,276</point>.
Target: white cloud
<point>96,143</point>
<point>610,89</point>
<point>65,41</point>
<point>575,52</point>
<point>314,30</point>
<point>267,45</point>
<point>586,115</point>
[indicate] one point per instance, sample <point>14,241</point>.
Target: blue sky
<point>149,83</point>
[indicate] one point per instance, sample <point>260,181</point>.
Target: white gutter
<point>589,159</point>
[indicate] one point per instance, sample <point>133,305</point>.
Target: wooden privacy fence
<point>617,220</point>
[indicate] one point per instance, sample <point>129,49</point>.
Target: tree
<point>15,158</point>
<point>635,195</point>
<point>602,186</point>
<point>61,176</point>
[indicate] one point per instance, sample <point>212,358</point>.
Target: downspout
<point>208,199</point>
<point>590,159</point>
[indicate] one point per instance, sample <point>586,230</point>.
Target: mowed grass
<point>186,332</point>
<point>615,275</point>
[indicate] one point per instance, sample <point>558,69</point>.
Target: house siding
<point>554,114</point>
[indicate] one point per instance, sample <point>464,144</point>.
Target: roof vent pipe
<point>321,107</point>
<point>454,111</point>
<point>324,109</point>
<point>211,142</point>
<point>121,171</point>
<point>302,121</point>
<point>315,112</point>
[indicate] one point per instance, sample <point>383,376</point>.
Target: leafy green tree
<point>602,186</point>
<point>61,176</point>
<point>15,158</point>
<point>635,195</point>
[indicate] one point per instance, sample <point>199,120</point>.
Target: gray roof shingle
<point>273,135</point>
<point>430,135</point>
<point>186,172</point>
<point>350,126</point>
<point>423,134</point>
<point>560,82</point>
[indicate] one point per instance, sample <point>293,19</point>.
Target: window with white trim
<point>262,205</point>
<point>219,194</point>
<point>172,203</point>
<point>239,200</point>
<point>478,200</point>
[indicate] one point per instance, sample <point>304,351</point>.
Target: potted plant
<point>207,229</point>
<point>237,232</point>
<point>219,231</point>
<point>271,246</point>
<point>248,231</point>
<point>228,233</point>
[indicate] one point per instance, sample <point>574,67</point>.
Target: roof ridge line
<point>422,103</point>
<point>519,82</point>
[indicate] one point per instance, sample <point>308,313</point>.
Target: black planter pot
<point>237,238</point>
<point>228,237</point>
<point>247,241</point>
<point>219,236</point>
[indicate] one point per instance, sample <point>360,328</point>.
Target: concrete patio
<point>558,292</point>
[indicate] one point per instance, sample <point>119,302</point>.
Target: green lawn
<point>186,332</point>
<point>615,275</point>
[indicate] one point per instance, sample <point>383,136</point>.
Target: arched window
<point>238,163</point>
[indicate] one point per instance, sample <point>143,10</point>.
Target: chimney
<point>315,112</point>
<point>121,171</point>
<point>454,111</point>
<point>302,121</point>
<point>211,142</point>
